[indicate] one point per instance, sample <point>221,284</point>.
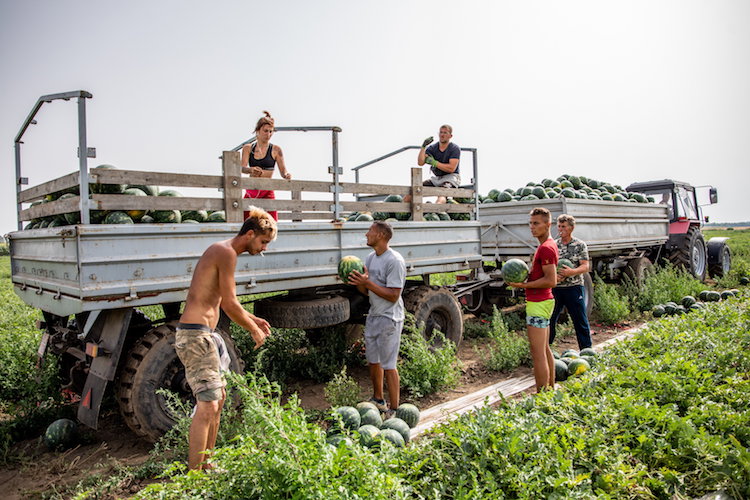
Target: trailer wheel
<point>285,312</point>
<point>722,267</point>
<point>637,268</point>
<point>691,254</point>
<point>153,364</point>
<point>588,293</point>
<point>438,309</point>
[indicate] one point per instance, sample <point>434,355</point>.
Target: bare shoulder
<point>277,149</point>
<point>220,251</point>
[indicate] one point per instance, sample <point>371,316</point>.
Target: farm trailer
<point>90,280</point>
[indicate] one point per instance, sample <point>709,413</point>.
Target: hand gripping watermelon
<point>564,262</point>
<point>348,264</point>
<point>514,271</point>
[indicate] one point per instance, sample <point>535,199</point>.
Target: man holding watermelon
<point>569,292</point>
<point>539,299</point>
<point>197,345</point>
<point>382,279</point>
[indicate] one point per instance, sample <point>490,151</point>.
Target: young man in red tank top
<point>539,299</point>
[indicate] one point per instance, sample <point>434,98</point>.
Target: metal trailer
<point>90,280</point>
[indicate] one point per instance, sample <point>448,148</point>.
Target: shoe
<point>380,404</point>
<point>389,414</point>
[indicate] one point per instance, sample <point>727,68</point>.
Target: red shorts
<point>262,193</point>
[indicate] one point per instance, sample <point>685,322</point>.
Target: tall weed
<point>342,390</point>
<point>661,284</point>
<point>506,349</point>
<point>610,306</point>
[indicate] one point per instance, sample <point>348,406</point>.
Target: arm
<point>421,157</point>
<point>259,328</point>
<point>364,284</point>
<point>567,272</point>
<point>449,167</point>
<point>280,162</point>
<point>549,280</point>
<point>245,162</point>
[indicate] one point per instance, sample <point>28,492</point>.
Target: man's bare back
<point>204,298</point>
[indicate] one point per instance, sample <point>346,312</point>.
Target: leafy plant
<point>426,366</point>
<point>506,349</point>
<point>342,390</point>
<point>610,306</point>
<point>661,284</point>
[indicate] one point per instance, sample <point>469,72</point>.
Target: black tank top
<point>266,163</point>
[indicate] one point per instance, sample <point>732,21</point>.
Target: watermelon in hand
<point>514,271</point>
<point>348,264</point>
<point>564,262</point>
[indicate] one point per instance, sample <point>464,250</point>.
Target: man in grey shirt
<point>383,279</point>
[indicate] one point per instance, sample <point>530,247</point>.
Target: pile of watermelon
<point>401,216</point>
<point>364,424</point>
<point>572,363</point>
<point>124,216</point>
<point>566,186</point>
<point>689,303</point>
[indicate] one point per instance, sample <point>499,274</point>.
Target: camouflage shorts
<point>197,350</point>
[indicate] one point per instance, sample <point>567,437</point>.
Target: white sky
<point>618,91</point>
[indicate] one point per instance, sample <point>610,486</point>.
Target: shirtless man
<point>197,346</point>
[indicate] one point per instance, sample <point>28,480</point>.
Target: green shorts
<point>196,348</point>
<point>539,313</point>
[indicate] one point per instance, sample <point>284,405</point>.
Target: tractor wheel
<point>152,364</point>
<point>285,312</point>
<point>637,268</point>
<point>691,254</point>
<point>721,268</point>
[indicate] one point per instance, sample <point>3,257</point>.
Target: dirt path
<point>34,471</point>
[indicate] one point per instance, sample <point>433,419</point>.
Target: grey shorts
<point>382,341</point>
<point>447,180</point>
<point>197,348</point>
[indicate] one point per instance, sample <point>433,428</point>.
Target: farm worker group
<point>204,354</point>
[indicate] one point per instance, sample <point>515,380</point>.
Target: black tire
<point>721,268</point>
<point>438,309</point>
<point>588,296</point>
<point>637,268</point>
<point>285,312</point>
<point>691,255</point>
<point>150,365</point>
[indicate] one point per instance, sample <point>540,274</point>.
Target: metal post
<point>17,147</point>
<point>475,181</point>
<point>336,185</point>
<point>83,158</point>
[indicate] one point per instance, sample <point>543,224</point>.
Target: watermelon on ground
<point>371,417</point>
<point>577,367</point>
<point>398,425</point>
<point>570,353</point>
<point>392,436</point>
<point>588,351</point>
<point>409,414</point>
<point>561,370</point>
<point>350,263</point>
<point>514,271</point>
<point>744,280</point>
<point>712,296</point>
<point>366,405</point>
<point>349,417</point>
<point>658,311</point>
<point>337,439</point>
<point>60,434</point>
<point>368,435</point>
<point>688,300</point>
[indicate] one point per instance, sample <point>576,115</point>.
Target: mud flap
<point>110,328</point>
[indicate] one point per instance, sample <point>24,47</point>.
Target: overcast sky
<point>618,91</point>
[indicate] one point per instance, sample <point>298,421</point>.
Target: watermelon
<point>57,221</point>
<point>149,190</point>
<point>60,434</point>
<point>688,300</point>
<point>570,353</point>
<point>670,308</point>
<point>337,439</point>
<point>726,294</point>
<point>493,194</point>
<point>105,188</point>
<point>368,435</point>
<point>567,360</point>
<point>349,417</point>
<point>697,306</point>
<point>555,354</point>
<point>364,218</point>
<point>166,216</point>
<point>514,271</point>
<point>432,217</point>
<point>443,216</point>
<point>146,219</point>
<point>679,310</point>
<point>588,351</point>
<point>566,184</point>
<point>190,221</point>
<point>591,360</point>
<point>403,215</point>
<point>529,197</point>
<point>170,192</point>
<point>135,214</point>
<point>568,193</point>
<point>564,262</point>
<point>393,437</point>
<point>349,263</point>
<point>371,417</point>
<point>712,296</point>
<point>577,367</point>
<point>196,215</point>
<point>539,192</point>
<point>409,414</point>
<point>561,370</point>
<point>352,217</point>
<point>381,215</point>
<point>393,198</point>
<point>744,280</point>
<point>117,218</point>
<point>702,296</point>
<point>504,196</point>
<point>398,425</point>
<point>217,216</point>
<point>658,311</point>
<point>366,405</point>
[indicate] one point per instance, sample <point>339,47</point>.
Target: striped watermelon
<point>392,436</point>
<point>399,426</point>
<point>371,417</point>
<point>368,435</point>
<point>350,263</point>
<point>60,434</point>
<point>514,271</point>
<point>409,414</point>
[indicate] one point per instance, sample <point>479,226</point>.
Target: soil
<point>32,471</point>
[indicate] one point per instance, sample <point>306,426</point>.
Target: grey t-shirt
<point>388,270</point>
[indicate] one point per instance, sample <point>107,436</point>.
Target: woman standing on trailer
<point>260,158</point>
